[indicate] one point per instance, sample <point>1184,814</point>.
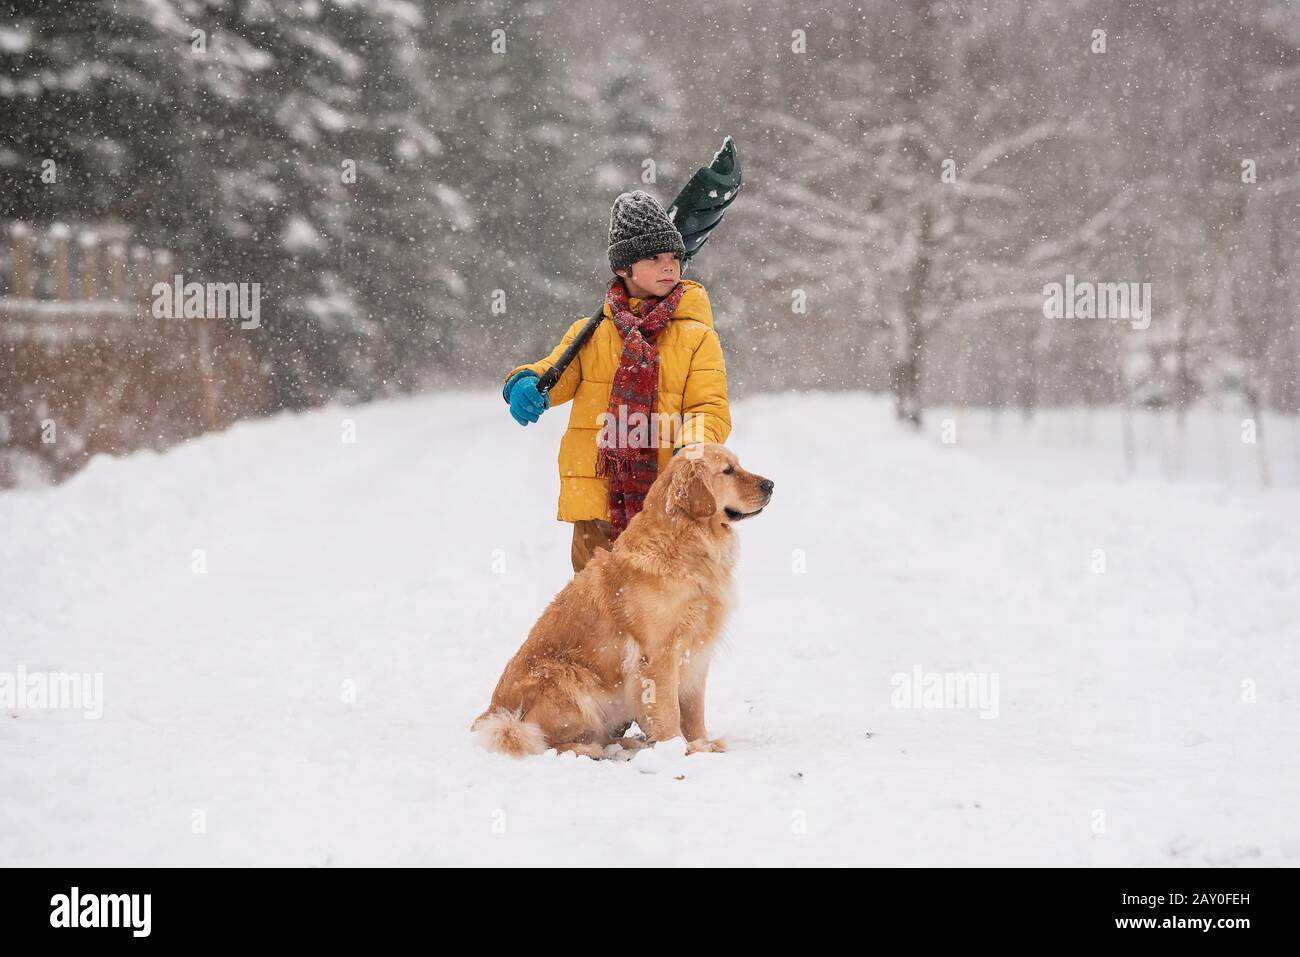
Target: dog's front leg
<point>700,631</point>
<point>658,711</point>
<point>691,702</point>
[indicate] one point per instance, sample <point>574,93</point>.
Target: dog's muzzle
<point>765,487</point>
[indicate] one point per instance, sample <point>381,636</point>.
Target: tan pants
<point>589,535</point>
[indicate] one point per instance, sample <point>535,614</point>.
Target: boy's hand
<point>526,403</point>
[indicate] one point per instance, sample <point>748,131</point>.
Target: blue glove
<point>526,403</point>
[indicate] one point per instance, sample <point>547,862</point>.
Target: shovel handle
<point>552,375</point>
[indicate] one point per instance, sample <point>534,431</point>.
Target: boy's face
<point>653,277</point>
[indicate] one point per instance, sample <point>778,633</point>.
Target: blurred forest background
<point>1115,141</point>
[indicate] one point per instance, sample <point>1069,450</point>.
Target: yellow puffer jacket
<point>692,396</point>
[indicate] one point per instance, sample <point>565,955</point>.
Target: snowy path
<point>1121,735</point>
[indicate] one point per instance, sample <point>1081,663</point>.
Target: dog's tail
<point>507,732</point>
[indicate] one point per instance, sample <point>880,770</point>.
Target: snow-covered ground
<point>306,699</point>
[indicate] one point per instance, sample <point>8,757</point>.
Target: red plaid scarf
<point>631,471</point>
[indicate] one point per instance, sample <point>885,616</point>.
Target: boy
<point>650,380</point>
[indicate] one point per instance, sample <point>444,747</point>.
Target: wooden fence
<point>86,368</point>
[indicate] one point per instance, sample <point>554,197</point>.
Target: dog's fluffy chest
<point>674,618</point>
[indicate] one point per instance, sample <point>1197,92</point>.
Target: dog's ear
<point>690,490</point>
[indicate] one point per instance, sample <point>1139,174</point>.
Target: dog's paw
<point>615,753</point>
<point>714,745</point>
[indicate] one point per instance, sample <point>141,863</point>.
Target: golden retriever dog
<point>629,638</point>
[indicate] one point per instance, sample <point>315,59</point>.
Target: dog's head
<point>705,479</point>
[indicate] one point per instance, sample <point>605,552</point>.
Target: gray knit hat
<point>639,229</point>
